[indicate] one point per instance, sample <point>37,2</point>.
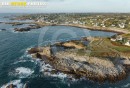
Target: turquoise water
<point>13,58</point>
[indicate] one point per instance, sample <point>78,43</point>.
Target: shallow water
<point>17,67</point>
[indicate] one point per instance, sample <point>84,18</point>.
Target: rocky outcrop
<point>125,62</point>
<point>22,29</point>
<point>90,69</point>
<point>46,51</point>
<point>35,50</point>
<point>25,85</point>
<point>14,86</point>
<point>73,44</point>
<point>93,68</point>
<point>16,24</point>
<point>3,29</point>
<point>11,86</point>
<point>27,28</point>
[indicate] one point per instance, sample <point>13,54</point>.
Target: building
<point>119,38</point>
<point>127,43</point>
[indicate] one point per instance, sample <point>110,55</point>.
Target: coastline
<point>96,28</point>
<point>116,30</point>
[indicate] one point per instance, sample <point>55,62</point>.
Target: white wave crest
<point>17,83</point>
<point>23,72</point>
<point>23,61</point>
<point>47,69</point>
<point>60,75</point>
<point>126,86</point>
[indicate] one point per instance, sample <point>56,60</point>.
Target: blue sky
<point>75,6</point>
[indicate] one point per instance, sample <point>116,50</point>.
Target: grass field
<point>103,47</point>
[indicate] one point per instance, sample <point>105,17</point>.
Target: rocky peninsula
<point>76,58</point>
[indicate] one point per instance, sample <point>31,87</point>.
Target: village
<point>121,21</point>
<point>123,39</point>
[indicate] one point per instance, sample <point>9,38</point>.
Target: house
<point>116,38</point>
<point>127,43</point>
<point>122,25</point>
<point>119,38</point>
<point>113,39</point>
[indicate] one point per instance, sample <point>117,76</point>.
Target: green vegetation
<point>81,52</point>
<point>122,49</point>
<point>104,47</point>
<point>96,20</point>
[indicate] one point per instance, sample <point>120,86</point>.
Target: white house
<point>113,39</point>
<point>127,43</point>
<point>119,38</point>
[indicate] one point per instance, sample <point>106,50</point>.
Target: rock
<point>125,62</point>
<point>93,68</point>
<point>22,29</point>
<point>27,28</point>
<point>25,85</point>
<point>3,29</point>
<point>11,86</point>
<point>54,71</point>
<point>16,24</point>
<point>35,50</point>
<point>73,44</point>
<point>90,71</point>
<point>47,51</point>
<point>34,26</point>
<point>41,52</point>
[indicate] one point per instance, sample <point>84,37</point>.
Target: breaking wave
<point>17,83</point>
<point>23,72</point>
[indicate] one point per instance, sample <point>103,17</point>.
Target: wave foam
<point>23,61</point>
<point>47,69</point>
<point>60,75</point>
<point>23,72</point>
<point>126,86</point>
<point>17,83</point>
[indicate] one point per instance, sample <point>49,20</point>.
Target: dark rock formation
<point>17,24</point>
<point>11,86</point>
<point>90,71</point>
<point>93,68</point>
<point>125,62</point>
<point>3,29</point>
<point>22,29</point>
<point>27,28</point>
<point>25,85</point>
<point>35,50</point>
<point>34,26</point>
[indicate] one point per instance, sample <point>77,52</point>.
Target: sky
<point>71,6</point>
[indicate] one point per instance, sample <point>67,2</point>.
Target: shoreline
<point>106,29</point>
<point>116,30</point>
